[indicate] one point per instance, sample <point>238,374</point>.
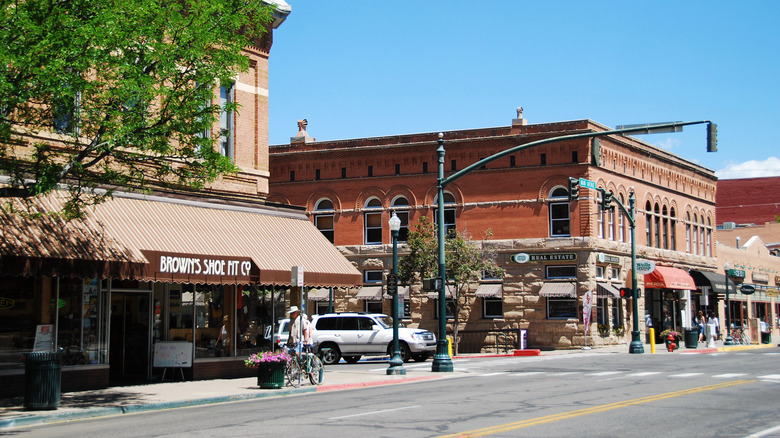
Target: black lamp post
<point>729,340</point>
<point>396,363</point>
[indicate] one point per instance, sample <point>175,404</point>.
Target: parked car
<point>352,335</point>
<point>278,336</point>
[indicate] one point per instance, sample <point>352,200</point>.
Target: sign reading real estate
<point>522,257</point>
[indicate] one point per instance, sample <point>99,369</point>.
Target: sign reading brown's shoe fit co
<point>200,268</point>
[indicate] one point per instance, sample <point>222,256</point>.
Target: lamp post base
<point>396,367</point>
<point>729,340</point>
<point>442,362</point>
<point>636,346</point>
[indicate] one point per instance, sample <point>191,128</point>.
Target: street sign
<point>588,184</point>
<point>747,289</point>
<point>392,284</point>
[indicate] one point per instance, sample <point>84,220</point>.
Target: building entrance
<point>130,349</point>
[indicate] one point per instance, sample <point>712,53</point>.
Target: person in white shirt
<point>296,319</point>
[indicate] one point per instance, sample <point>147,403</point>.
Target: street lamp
<point>396,363</point>
<point>636,346</point>
<point>442,362</point>
<point>729,340</point>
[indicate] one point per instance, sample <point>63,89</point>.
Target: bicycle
<point>307,363</point>
<point>739,336</point>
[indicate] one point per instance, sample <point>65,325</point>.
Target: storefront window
<point>561,308</point>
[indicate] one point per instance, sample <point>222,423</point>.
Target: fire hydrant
<point>671,345</point>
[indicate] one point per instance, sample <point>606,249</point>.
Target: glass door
<point>131,331</point>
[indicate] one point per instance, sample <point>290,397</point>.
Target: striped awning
<point>322,294</point>
<point>448,293</point>
<point>665,277</point>
<point>369,293</point>
<point>558,290</point>
<point>133,236</point>
<point>606,289</point>
<point>490,290</point>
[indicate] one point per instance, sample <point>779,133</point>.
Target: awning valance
<point>369,293</point>
<point>558,290</point>
<point>665,277</point>
<point>490,290</point>
<point>205,242</point>
<point>606,289</point>
<point>711,279</point>
<point>322,294</point>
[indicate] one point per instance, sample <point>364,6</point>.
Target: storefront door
<point>130,355</point>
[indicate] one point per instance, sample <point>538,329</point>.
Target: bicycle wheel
<point>315,369</point>
<point>292,373</point>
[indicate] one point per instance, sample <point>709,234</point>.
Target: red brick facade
<point>748,200</point>
<point>512,198</point>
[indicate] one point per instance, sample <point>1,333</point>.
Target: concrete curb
<point>34,419</point>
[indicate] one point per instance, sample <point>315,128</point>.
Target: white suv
<point>352,335</point>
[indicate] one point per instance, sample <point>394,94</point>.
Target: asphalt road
<point>583,395</point>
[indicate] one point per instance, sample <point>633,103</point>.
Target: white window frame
<point>227,131</point>
<point>557,194</point>
<point>372,212</point>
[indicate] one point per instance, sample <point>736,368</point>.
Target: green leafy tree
<point>117,93</point>
<point>465,262</point>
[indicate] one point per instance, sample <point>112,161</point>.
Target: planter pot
<point>270,375</point>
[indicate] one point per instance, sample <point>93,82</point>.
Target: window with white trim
<point>226,128</point>
<point>403,214</point>
<point>560,220</point>
<point>323,218</point>
<point>373,222</point>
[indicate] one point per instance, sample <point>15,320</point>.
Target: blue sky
<point>374,68</point>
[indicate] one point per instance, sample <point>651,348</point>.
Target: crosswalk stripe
<point>646,373</point>
<point>728,376</point>
<point>604,373</point>
<point>531,373</point>
<point>770,376</point>
<point>686,375</point>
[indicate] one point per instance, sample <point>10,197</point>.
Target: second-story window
<point>449,213</point>
<point>323,218</point>
<point>398,204</point>
<point>559,213</point>
<point>226,129</point>
<point>373,222</point>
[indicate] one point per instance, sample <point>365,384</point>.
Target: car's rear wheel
<point>352,359</point>
<point>330,354</point>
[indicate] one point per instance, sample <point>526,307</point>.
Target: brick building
<point>553,250</point>
<point>167,278</point>
<point>748,201</point>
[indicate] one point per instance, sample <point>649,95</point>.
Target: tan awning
<point>448,293</point>
<point>130,236</point>
<point>322,294</point>
<point>490,290</point>
<point>558,290</point>
<point>606,289</point>
<point>369,293</point>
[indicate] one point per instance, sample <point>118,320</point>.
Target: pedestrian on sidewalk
<point>700,322</point>
<point>714,322</point>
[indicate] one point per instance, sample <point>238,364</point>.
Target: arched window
<point>621,225</point>
<point>665,220</point>
<point>226,129</point>
<point>611,223</point>
<point>649,223</point>
<point>600,215</point>
<point>373,221</point>
<point>559,213</point>
<point>673,229</point>
<point>449,213</point>
<point>702,243</point>
<point>695,233</point>
<point>403,213</point>
<point>709,237</point>
<point>657,230</point>
<point>687,232</point>
<point>323,218</point>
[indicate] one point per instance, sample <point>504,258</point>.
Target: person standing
<point>701,324</point>
<point>713,321</point>
<point>300,329</point>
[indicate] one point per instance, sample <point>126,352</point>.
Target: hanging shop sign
<point>644,266</point>
<point>736,273</point>
<point>747,289</point>
<point>772,293</point>
<point>606,258</point>
<point>760,277</point>
<point>522,257</point>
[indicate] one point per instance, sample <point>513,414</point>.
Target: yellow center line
<point>595,409</point>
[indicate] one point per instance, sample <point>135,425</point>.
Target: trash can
<point>692,338</point>
<point>766,337</point>
<point>42,372</point>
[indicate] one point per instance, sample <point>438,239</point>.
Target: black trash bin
<point>42,373</point>
<point>766,337</point>
<point>692,338</point>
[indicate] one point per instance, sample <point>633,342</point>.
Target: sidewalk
<point>140,398</point>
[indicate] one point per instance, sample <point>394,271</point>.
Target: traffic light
<point>625,292</point>
<point>606,200</point>
<point>574,188</point>
<point>712,137</point>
